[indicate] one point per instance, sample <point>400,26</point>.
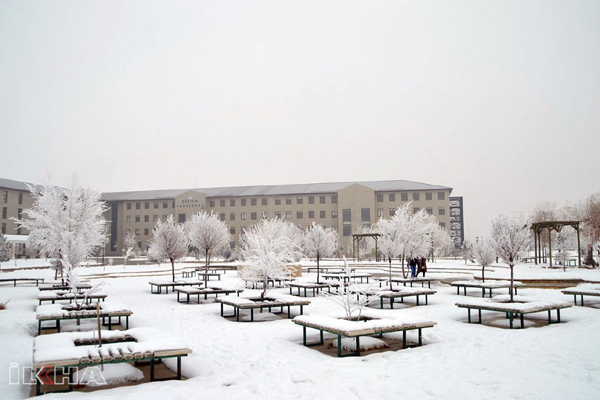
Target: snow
<point>488,284</point>
<point>366,343</point>
<point>267,360</point>
<point>110,374</point>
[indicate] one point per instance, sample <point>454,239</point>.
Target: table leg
<point>479,316</point>
<point>339,345</point>
<point>179,368</point>
<point>152,370</point>
<point>417,300</point>
<point>522,322</point>
<point>420,337</point>
<point>510,317</point>
<point>469,312</point>
<point>403,339</point>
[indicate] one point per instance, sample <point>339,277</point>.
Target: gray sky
<point>499,100</point>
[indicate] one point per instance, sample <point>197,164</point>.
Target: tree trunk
<point>404,274</point>
<point>511,281</point>
<point>390,260</point>
<point>172,268</point>
<point>318,269</point>
<point>206,268</point>
<point>264,292</point>
<point>482,276</point>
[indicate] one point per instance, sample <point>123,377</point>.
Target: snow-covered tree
<point>5,249</point>
<point>467,251</point>
<point>365,245</point>
<point>267,248</point>
<point>67,223</point>
<point>562,248</point>
<point>510,239</point>
<point>390,241</point>
<point>169,241</point>
<point>208,233</point>
<point>484,253</point>
<point>417,236</point>
<point>353,299</point>
<point>130,245</point>
<point>320,242</point>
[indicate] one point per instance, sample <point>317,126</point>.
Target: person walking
<point>422,266</point>
<point>413,267</point>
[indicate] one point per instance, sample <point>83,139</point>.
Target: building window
<point>404,196</point>
<point>243,201</point>
<point>299,215</point>
<point>441,196</point>
<point>441,211</point>
<point>137,218</point>
<point>380,213</point>
<point>232,230</point>
<point>253,201</point>
<point>416,196</point>
<point>140,245</point>
<point>231,202</point>
<point>428,196</point>
<point>277,201</point>
<point>347,222</point>
<point>222,216</point>
<point>146,205</point>
<point>334,214</point>
<point>322,199</point>
<point>416,210</point>
<point>379,197</point>
<point>253,216</point>
<point>365,217</point>
<point>265,215</point>
<point>19,213</point>
<point>165,204</point>
<point>311,215</point>
<point>311,199</point>
<point>322,214</point>
<point>3,227</point>
<point>232,216</point>
<point>146,231</point>
<point>443,225</point>
<point>146,218</point>
<point>4,212</point>
<point>288,215</point>
<point>155,218</point>
<point>129,206</point>
<point>20,198</point>
<point>264,201</point>
<point>392,196</point>
<point>429,210</point>
<point>392,212</point>
<point>243,216</point>
<point>155,205</point>
<point>334,199</point>
<point>288,200</point>
<point>165,216</point>
<point>212,203</point>
<point>138,206</point>
<point>299,200</point>
<point>278,214</point>
<point>222,203</point>
<point>137,231</point>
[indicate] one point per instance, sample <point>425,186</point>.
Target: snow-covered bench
<point>58,296</point>
<point>583,290</point>
<point>15,280</point>
<point>347,277</point>
<point>60,286</point>
<point>404,281</point>
<point>258,283</point>
<point>275,300</point>
<point>157,286</point>
<point>483,286</point>
<point>208,275</point>
<point>74,350</point>
<point>192,291</point>
<point>330,270</point>
<point>58,312</point>
<point>357,329</point>
<point>315,287</point>
<point>522,305</point>
<point>394,294</point>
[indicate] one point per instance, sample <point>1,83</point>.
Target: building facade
<point>457,222</point>
<point>15,197</point>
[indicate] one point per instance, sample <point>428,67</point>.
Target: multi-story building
<point>457,223</point>
<point>14,198</point>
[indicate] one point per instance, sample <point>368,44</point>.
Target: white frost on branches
<point>5,249</point>
<point>130,245</point>
<point>169,241</point>
<point>208,233</point>
<point>390,241</point>
<point>320,242</point>
<point>484,253</point>
<point>353,299</point>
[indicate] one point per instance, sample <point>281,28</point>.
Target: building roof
<point>272,190</point>
<point>15,185</point>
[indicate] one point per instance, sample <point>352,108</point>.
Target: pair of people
<point>417,265</point>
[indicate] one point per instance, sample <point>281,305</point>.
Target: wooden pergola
<point>357,237</point>
<point>538,227</point>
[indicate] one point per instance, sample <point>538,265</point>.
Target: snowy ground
<point>267,360</point>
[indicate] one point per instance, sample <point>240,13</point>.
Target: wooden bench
<point>394,294</point>
<point>347,277</point>
<point>192,291</point>
<point>357,329</point>
<point>513,310</point>
<point>188,274</point>
<point>166,285</point>
<point>208,275</point>
<point>15,280</point>
<point>74,350</point>
<point>60,296</point>
<point>330,270</point>
<point>586,290</point>
<point>281,301</point>
<point>58,313</point>
<point>483,286</point>
<point>404,281</point>
<point>316,287</point>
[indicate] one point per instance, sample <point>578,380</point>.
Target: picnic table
<point>483,286</point>
<point>14,280</point>
<point>60,286</point>
<point>192,291</point>
<point>188,274</point>
<point>254,303</point>
<point>257,283</point>
<point>217,267</point>
<point>315,287</point>
<point>404,281</point>
<point>330,270</point>
<point>58,296</point>
<point>516,309</point>
<point>59,312</point>
<point>583,290</point>
<point>208,275</point>
<point>357,329</point>
<point>73,350</point>
<point>159,285</point>
<point>394,294</point>
<point>347,277</point>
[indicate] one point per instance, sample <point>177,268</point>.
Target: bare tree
<point>484,253</point>
<point>320,242</point>
<point>208,233</point>
<point>169,241</point>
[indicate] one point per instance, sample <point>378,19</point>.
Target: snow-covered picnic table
<point>330,270</point>
<point>258,283</point>
<point>347,277</point>
<point>193,291</point>
<point>159,285</point>
<point>484,285</point>
<point>15,280</point>
<point>73,350</point>
<point>274,300</point>
<point>401,293</point>
<point>60,286</point>
<point>315,287</point>
<point>522,305</point>
<point>404,281</point>
<point>586,289</point>
<point>59,312</point>
<point>62,295</point>
<point>356,329</point>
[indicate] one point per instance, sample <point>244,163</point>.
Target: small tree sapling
<point>320,242</point>
<point>169,241</point>
<point>484,253</point>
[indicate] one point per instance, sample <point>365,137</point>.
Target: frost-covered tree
<point>5,249</point>
<point>562,248</point>
<point>467,251</point>
<point>417,236</point>
<point>353,299</point>
<point>365,245</point>
<point>390,241</point>
<point>320,242</point>
<point>510,239</point>
<point>267,248</point>
<point>130,245</point>
<point>66,223</point>
<point>208,233</point>
<point>169,241</point>
<point>484,253</point>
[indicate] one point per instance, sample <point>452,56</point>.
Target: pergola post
<point>578,245</point>
<point>550,245</point>
<point>376,253</point>
<point>535,252</point>
<point>358,249</point>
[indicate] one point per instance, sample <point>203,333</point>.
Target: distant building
<point>14,198</point>
<point>457,222</point>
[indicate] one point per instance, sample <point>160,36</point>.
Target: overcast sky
<point>498,100</point>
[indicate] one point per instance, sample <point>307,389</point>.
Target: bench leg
<point>403,339</point>
<point>289,316</point>
<point>152,370</point>
<point>58,325</point>
<point>522,322</point>
<point>426,300</point>
<point>417,300</point>
<point>582,300</point>
<point>420,337</point>
<point>358,340</point>
<point>558,315</point>
<point>469,313</point>
<point>458,290</point>
<point>339,345</point>
<point>252,315</point>
<point>510,317</point>
<point>480,316</point>
<point>301,310</point>
<point>178,368</point>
